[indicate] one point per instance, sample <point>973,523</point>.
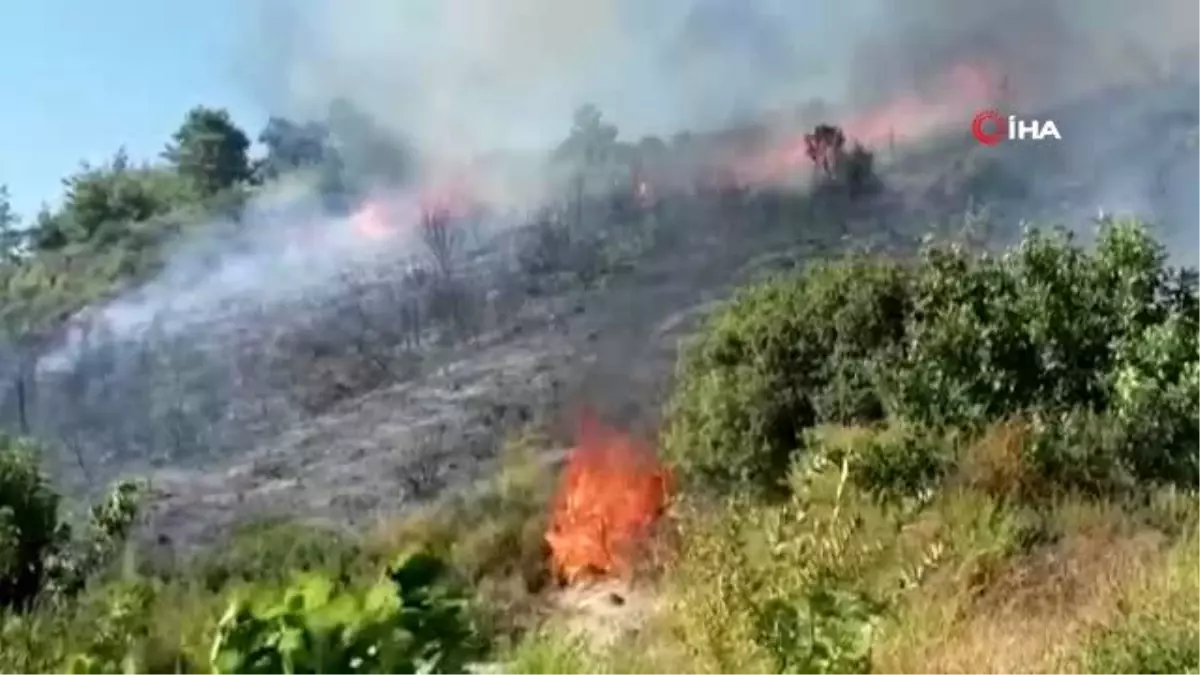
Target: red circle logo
<point>998,127</point>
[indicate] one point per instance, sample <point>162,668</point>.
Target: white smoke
<point>457,78</point>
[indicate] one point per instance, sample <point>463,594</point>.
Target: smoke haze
<point>464,76</point>
<point>459,78</point>
<point>456,79</point>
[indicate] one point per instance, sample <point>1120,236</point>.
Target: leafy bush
<point>1105,342</point>
<point>271,550</point>
<point>1046,325</point>
<point>409,622</point>
<point>38,552</point>
<point>1144,644</point>
<point>29,528</point>
<point>782,357</point>
<point>77,559</point>
<point>779,587</point>
<point>114,641</point>
<point>1101,347</point>
<point>906,463</point>
<point>1080,450</point>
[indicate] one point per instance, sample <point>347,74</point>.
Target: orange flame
<point>612,493</point>
<point>908,117</point>
<point>371,221</point>
<point>384,216</point>
<point>457,191</point>
<point>453,194</point>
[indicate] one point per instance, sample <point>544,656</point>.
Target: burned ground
<point>393,386</point>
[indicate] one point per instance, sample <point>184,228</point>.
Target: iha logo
<point>990,128</point>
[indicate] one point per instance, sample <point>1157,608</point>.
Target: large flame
<point>613,492</point>
<point>372,221</point>
<point>952,98</point>
<point>909,117</point>
<point>383,216</point>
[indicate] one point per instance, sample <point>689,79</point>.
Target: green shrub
<point>39,552</point>
<point>1144,644</point>
<point>904,464</point>
<point>1080,450</point>
<point>34,642</point>
<point>29,528</point>
<point>1156,387</point>
<point>411,621</point>
<point>1105,342</point>
<point>76,559</point>
<point>778,587</point>
<point>274,550</point>
<point>114,641</point>
<point>783,356</point>
<point>1047,325</point>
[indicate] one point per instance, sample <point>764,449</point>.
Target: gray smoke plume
<point>463,76</point>
<point>459,78</point>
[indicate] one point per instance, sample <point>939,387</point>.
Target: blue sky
<point>80,78</point>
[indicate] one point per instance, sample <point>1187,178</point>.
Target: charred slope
<point>339,407</point>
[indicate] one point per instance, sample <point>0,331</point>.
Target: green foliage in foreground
<point>408,622</point>
<point>39,552</point>
<point>1099,348</point>
<point>28,522</point>
<point>293,597</point>
<point>416,617</point>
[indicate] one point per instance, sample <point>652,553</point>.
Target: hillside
<point>614,347</point>
<point>366,397</point>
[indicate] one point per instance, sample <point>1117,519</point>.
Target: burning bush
<point>613,492</point>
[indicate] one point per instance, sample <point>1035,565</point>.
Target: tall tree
<point>12,238</point>
<point>100,202</point>
<point>49,231</point>
<point>210,150</point>
<point>370,154</point>
<point>292,146</point>
<point>307,147</point>
<point>591,140</point>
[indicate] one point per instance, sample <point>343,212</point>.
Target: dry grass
<point>493,536</point>
<point>1039,611</point>
<point>995,463</point>
<point>1157,614</point>
<point>1000,577</point>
